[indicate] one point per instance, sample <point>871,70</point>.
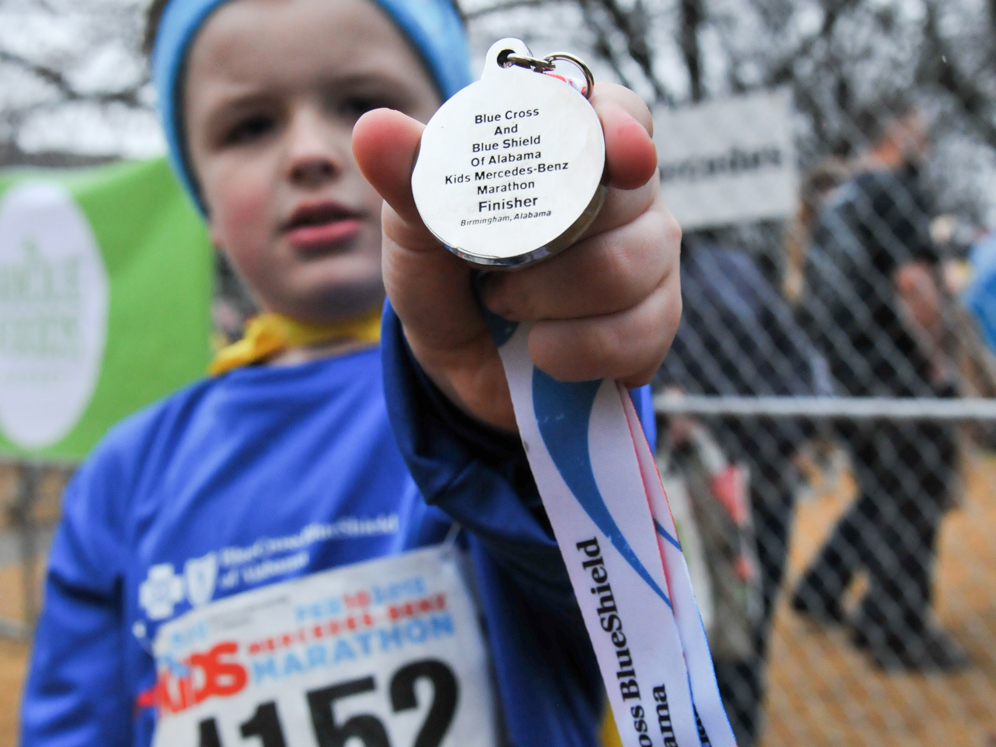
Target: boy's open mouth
<point>318,225</point>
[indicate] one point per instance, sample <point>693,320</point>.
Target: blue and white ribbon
<point>601,490</point>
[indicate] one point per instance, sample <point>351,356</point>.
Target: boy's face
<point>273,89</point>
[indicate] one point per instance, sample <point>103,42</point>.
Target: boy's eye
<point>249,129</point>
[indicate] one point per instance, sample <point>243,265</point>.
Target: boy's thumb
<point>385,145</point>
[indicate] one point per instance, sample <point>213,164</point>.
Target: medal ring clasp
<point>549,64</point>
<point>589,79</point>
<point>507,59</point>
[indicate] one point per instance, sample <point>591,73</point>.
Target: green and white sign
<point>105,289</point>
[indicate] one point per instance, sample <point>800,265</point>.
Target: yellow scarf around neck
<point>269,334</point>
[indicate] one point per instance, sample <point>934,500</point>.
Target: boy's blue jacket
<point>284,472</point>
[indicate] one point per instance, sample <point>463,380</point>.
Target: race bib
<point>386,653</point>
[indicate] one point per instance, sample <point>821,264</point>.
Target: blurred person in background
<point>874,306</point>
<point>818,184</point>
<point>738,337</point>
<point>820,456</point>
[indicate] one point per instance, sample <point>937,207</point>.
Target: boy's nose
<point>309,172</point>
<point>312,157</point>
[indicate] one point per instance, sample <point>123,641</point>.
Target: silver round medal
<point>509,170</point>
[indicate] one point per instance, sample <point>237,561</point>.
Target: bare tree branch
<point>938,65</point>
<point>832,12</point>
<point>128,96</point>
<point>634,28</point>
<point>692,17</point>
<point>604,50</point>
<point>511,5</point>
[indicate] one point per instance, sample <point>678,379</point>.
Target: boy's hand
<point>607,307</point>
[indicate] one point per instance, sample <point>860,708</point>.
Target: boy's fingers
<point>385,144</point>
<point>429,286</point>
<point>623,206</point>
<point>604,274</point>
<point>624,98</point>
<point>630,154</point>
<point>628,346</point>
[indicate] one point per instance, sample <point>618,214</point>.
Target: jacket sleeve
<point>75,692</point>
<point>480,477</point>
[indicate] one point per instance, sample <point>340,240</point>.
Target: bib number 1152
<point>367,728</point>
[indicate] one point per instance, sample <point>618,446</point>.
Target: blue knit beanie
<point>433,27</point>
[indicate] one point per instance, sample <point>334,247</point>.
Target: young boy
<point>289,466</point>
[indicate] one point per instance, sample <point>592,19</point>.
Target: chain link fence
<point>828,444</point>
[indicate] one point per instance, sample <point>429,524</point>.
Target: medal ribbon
<point>269,334</point>
<point>603,495</point>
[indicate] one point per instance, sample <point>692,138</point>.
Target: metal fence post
<point>22,515</point>
<point>30,480</point>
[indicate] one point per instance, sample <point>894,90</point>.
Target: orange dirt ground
<point>823,693</point>
<point>13,656</point>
